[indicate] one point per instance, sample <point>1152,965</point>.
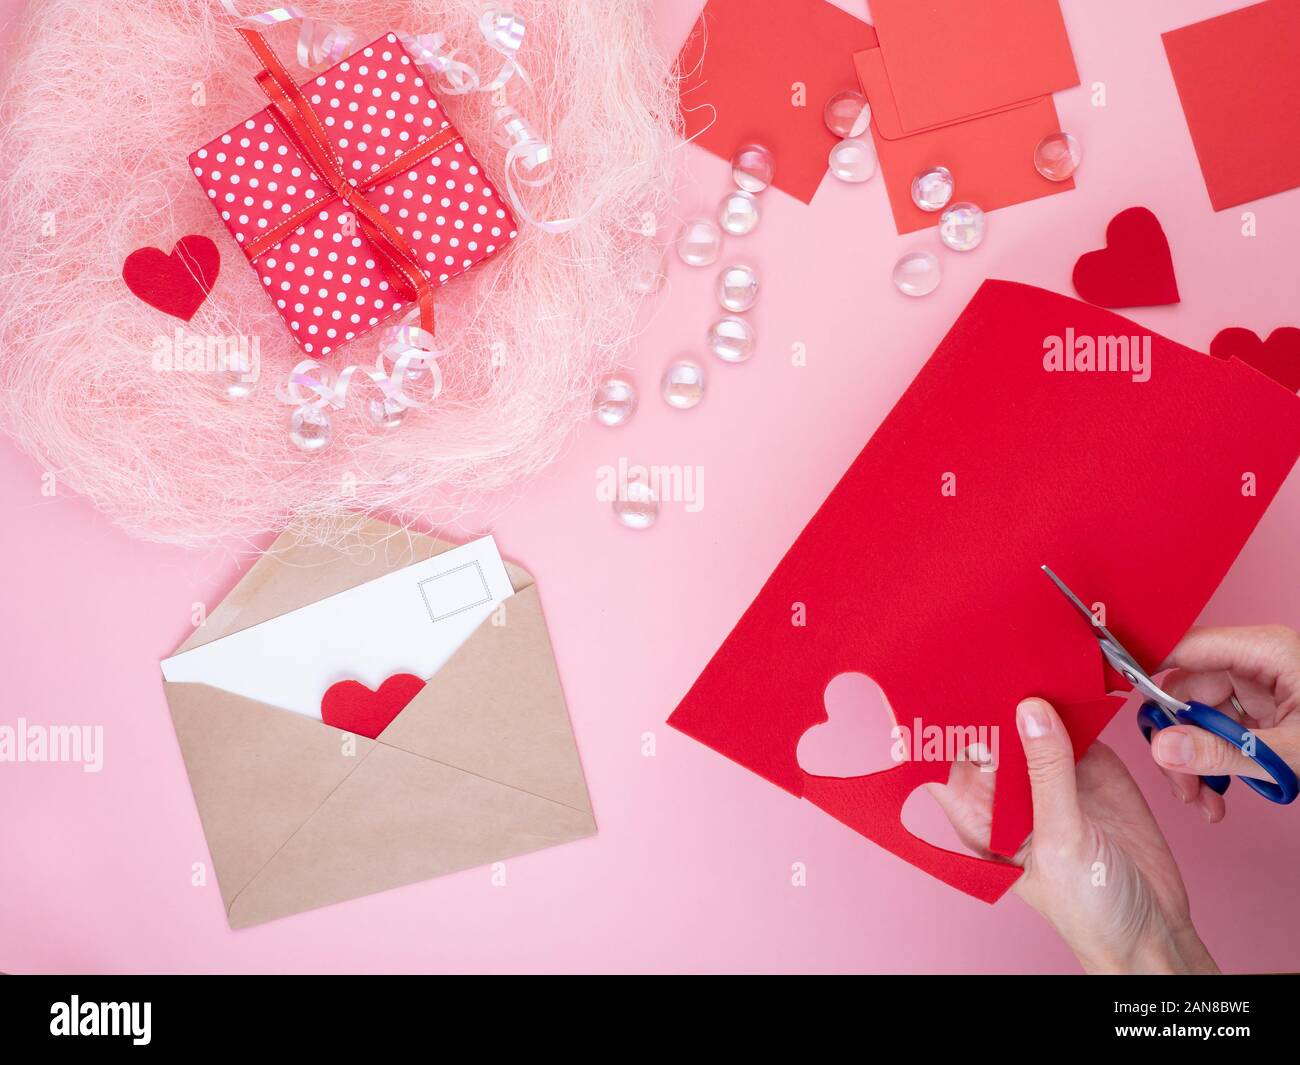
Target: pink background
<point>692,867</point>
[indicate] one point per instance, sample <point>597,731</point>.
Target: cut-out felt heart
<point>1135,269</point>
<point>351,706</point>
<point>1278,356</point>
<point>857,737</point>
<point>176,284</point>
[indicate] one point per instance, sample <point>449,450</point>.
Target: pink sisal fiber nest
<point>97,117</point>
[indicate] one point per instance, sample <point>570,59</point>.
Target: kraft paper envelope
<point>480,766</point>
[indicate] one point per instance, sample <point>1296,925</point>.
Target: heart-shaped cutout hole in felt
<point>857,737</point>
<point>176,284</point>
<point>924,817</point>
<point>1134,269</point>
<point>1278,356</point>
<point>351,706</point>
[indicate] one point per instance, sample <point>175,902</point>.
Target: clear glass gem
<point>737,287</point>
<point>853,160</point>
<point>238,378</point>
<point>932,190</point>
<point>406,338</point>
<point>1057,156</point>
<point>753,168</point>
<point>738,213</point>
<point>237,385</point>
<point>917,274</point>
<point>418,374</point>
<point>615,402</point>
<point>384,413</point>
<point>961,227</point>
<point>700,243</point>
<point>636,505</point>
<point>732,339</point>
<point>847,114</point>
<point>683,384</point>
<point>310,428</point>
<point>648,275</point>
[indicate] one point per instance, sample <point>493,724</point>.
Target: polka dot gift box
<point>352,195</point>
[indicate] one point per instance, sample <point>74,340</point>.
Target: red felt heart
<point>1278,356</point>
<point>176,284</point>
<point>1135,269</point>
<point>354,708</point>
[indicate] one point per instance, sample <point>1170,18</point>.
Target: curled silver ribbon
<point>504,31</point>
<point>319,43</point>
<point>451,75</point>
<point>409,348</point>
<point>527,154</point>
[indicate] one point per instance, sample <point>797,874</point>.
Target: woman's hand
<point>1096,866</point>
<point>1261,665</point>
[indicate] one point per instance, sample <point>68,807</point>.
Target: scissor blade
<point>1119,657</point>
<point>1078,603</point>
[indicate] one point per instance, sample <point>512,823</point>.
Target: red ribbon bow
<point>399,261</point>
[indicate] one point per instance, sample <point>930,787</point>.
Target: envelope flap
<point>297,571</point>
<point>257,773</point>
<point>396,820</point>
<point>870,65</point>
<point>874,78</point>
<point>1010,51</point>
<point>496,709</point>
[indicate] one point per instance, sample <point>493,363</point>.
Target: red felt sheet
<point>1135,269</point>
<point>1133,491</point>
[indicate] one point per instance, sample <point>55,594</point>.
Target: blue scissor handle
<point>1284,786</point>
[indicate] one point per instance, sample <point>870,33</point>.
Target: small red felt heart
<point>1278,356</point>
<point>176,284</point>
<point>352,707</point>
<point>1135,269</point>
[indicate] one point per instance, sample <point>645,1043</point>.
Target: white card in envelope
<point>409,621</point>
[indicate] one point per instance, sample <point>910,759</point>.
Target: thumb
<point>1183,749</point>
<point>1050,758</point>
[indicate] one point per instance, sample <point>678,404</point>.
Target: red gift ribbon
<point>399,261</point>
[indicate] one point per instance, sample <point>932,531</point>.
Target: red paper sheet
<point>1131,490</point>
<point>1239,81</point>
<point>990,155</point>
<point>948,59</point>
<point>740,67</point>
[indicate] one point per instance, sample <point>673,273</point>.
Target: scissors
<point>1160,710</point>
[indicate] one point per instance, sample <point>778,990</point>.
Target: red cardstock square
<point>1239,82</point>
<point>949,59</point>
<point>988,150</point>
<point>740,68</point>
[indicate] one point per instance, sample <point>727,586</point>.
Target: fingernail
<point>1032,719</point>
<point>1179,794</point>
<point>1208,815</point>
<point>1176,748</point>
